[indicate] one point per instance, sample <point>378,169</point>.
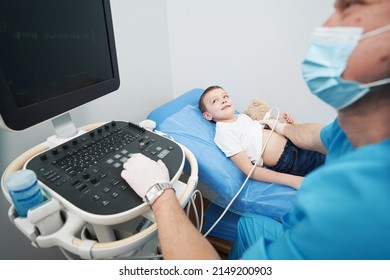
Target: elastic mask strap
<point>375,32</point>
<point>378,83</point>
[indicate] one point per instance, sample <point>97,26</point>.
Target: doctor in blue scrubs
<point>342,208</point>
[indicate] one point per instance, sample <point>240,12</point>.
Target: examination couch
<point>219,178</point>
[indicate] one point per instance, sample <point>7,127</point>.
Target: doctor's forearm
<point>178,237</point>
<point>306,136</point>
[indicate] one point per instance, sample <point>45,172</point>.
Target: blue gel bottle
<point>24,190</point>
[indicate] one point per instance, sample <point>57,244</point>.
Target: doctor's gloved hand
<point>141,172</point>
<point>279,127</point>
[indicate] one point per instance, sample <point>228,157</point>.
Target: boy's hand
<point>288,118</point>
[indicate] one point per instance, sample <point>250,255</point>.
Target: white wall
<point>252,48</point>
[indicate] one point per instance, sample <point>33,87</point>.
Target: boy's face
<point>219,106</point>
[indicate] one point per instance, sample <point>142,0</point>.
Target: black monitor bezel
<point>15,118</point>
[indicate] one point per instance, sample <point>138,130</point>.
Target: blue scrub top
<point>341,212</point>
<point>335,140</point>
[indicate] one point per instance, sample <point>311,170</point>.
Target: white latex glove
<point>141,172</point>
<point>279,127</point>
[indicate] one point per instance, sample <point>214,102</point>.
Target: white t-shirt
<point>244,134</point>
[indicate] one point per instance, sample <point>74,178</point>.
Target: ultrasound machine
<point>90,212</point>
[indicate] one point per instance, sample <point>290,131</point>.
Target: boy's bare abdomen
<point>274,148</point>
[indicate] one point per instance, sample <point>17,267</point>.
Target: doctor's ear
<point>207,116</point>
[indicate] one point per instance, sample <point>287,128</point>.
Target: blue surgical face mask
<point>327,59</point>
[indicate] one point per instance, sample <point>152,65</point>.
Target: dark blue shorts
<point>297,161</point>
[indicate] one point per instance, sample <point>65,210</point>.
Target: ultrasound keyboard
<point>86,170</point>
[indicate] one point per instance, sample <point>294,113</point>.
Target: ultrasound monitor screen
<point>54,53</point>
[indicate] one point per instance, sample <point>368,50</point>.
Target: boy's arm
<point>261,174</point>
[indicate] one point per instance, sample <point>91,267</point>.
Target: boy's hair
<point>201,105</point>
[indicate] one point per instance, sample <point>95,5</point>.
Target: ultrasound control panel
<point>86,170</point>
